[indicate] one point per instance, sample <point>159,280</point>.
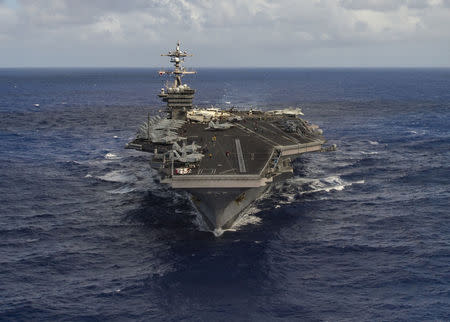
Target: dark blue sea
<point>360,234</point>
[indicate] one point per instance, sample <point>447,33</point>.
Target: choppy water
<point>359,234</point>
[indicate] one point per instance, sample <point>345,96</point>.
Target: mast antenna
<point>177,57</point>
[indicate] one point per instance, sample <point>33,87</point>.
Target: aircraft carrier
<point>225,158</point>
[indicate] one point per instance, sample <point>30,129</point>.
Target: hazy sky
<point>309,33</point>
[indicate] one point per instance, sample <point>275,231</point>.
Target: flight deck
<point>245,148</point>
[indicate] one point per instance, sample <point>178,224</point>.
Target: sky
<point>225,33</point>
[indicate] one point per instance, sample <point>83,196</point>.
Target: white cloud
<point>110,26</point>
<point>232,30</point>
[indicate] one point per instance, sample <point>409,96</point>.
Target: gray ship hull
<point>221,207</point>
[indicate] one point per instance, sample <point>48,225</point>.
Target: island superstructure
<point>225,159</point>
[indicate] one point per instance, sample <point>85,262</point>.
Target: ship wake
<point>297,188</point>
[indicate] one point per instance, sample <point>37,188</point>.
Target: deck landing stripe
<point>240,156</point>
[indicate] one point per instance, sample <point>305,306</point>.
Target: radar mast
<point>177,57</point>
<point>178,96</point>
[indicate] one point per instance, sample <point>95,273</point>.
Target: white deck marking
<point>240,156</point>
<point>285,135</point>
<point>271,142</point>
<point>206,171</point>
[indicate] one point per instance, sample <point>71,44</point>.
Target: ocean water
<point>363,233</point>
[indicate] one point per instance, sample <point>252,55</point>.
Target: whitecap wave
<point>118,176</point>
<point>342,164</point>
<point>244,219</point>
<point>374,142</point>
<point>369,153</point>
<point>122,190</point>
<point>219,232</point>
<point>247,218</point>
<point>111,156</point>
<point>333,183</point>
<point>312,185</point>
